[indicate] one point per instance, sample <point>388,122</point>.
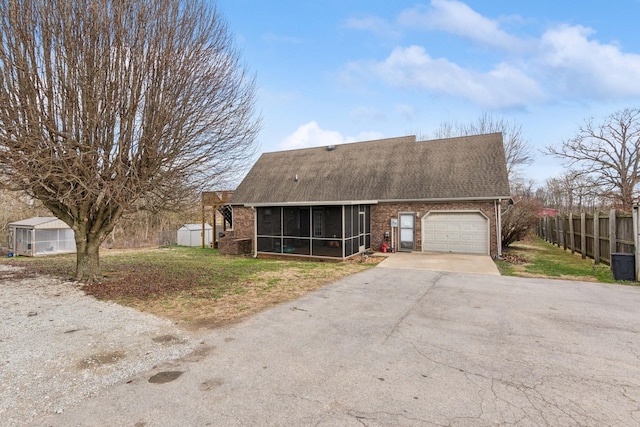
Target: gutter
<point>447,199</point>
<point>327,203</point>
<point>372,202</point>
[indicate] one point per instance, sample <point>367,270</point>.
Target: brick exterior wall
<point>232,246</point>
<point>382,213</point>
<point>243,223</point>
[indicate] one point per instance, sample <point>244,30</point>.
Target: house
<point>191,235</point>
<point>547,212</point>
<point>41,236</point>
<point>333,202</point>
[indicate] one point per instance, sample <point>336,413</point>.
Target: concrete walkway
<point>436,261</point>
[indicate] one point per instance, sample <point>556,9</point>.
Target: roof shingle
<point>470,167</point>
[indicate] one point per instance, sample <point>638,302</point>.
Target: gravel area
<point>59,346</point>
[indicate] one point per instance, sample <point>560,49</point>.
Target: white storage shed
<point>191,235</point>
<point>41,236</point>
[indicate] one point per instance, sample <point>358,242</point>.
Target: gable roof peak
<point>331,147</point>
<point>462,137</point>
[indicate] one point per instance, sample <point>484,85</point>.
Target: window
<point>332,224</point>
<point>348,230</point>
<point>318,216</point>
<point>297,246</point>
<point>269,221</point>
<point>269,244</point>
<point>296,222</point>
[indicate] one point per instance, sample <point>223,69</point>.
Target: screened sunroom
<point>324,231</point>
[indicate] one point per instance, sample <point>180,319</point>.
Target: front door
<point>407,231</point>
<point>361,227</point>
<point>12,240</point>
<point>23,242</point>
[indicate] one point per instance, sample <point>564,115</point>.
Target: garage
<point>457,232</point>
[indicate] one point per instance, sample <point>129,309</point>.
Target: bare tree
<point>107,102</point>
<point>523,187</point>
<point>553,194</point>
<point>518,219</point>
<point>15,206</point>
<point>516,148</point>
<point>608,153</point>
<point>571,192</point>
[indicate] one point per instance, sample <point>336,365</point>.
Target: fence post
<point>572,237</point>
<point>565,242</point>
<point>539,228</point>
<point>596,237</point>
<point>612,234</point>
<point>558,234</point>
<point>635,239</point>
<point>583,234</point>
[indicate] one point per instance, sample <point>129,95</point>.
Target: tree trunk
<point>87,258</point>
<point>626,198</point>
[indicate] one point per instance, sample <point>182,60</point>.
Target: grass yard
<point>196,287</point>
<point>535,257</point>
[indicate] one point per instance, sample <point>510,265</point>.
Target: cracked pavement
<point>403,348</point>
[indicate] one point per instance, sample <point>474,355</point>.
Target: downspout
<point>343,233</point>
<point>255,232</point>
<point>498,209</point>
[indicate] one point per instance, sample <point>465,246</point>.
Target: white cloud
<point>502,87</point>
<point>311,135</point>
<point>457,18</point>
<point>374,24</point>
<point>562,62</point>
<point>579,66</point>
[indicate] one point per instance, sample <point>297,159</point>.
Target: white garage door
<point>458,232</point>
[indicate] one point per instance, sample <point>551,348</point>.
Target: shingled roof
<point>394,169</point>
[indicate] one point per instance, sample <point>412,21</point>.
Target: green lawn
<point>202,288</point>
<point>194,284</point>
<point>536,257</point>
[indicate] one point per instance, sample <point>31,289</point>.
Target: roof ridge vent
<point>331,147</point>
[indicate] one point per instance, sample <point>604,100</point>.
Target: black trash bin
<point>623,266</point>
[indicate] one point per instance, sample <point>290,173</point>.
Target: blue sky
<point>338,71</point>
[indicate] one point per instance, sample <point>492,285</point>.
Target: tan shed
<point>41,236</point>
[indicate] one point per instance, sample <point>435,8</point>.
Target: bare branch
<point>517,149</point>
<point>518,219</point>
<point>607,153</point>
<point>105,102</point>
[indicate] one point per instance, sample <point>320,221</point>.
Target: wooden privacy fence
<point>595,236</point>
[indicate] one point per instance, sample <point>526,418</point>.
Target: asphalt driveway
<point>402,347</point>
